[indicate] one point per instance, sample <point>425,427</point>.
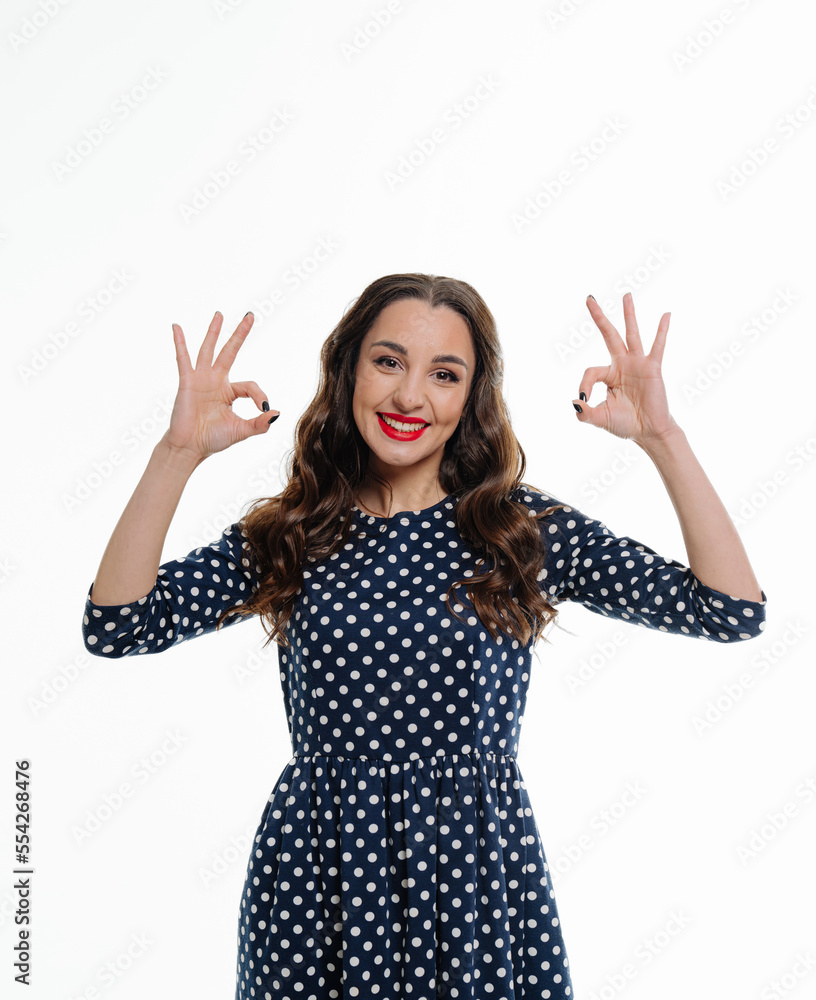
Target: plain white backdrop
<point>162,161</point>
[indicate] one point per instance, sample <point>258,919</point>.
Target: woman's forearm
<point>131,561</point>
<point>715,551</point>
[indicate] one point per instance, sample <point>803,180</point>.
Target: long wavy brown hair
<point>482,464</point>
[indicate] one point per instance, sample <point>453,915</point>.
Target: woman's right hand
<point>202,421</point>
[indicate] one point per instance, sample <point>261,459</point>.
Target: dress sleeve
<point>188,596</point>
<point>617,576</point>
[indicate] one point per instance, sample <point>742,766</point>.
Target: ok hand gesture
<point>636,406</point>
<point>203,421</point>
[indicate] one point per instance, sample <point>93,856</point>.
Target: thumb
<point>585,413</point>
<point>261,423</point>
<point>581,406</point>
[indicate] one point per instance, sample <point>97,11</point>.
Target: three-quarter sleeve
<point>620,577</point>
<point>189,595</point>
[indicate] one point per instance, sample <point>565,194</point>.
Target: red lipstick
<point>392,432</point>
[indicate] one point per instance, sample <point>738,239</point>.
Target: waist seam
<point>409,760</point>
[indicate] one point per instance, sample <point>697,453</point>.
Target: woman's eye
<point>449,376</point>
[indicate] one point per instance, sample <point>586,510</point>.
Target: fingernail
<point>578,408</point>
<point>591,297</point>
<point>249,313</point>
<point>265,405</point>
<point>273,419</point>
<point>582,395</point>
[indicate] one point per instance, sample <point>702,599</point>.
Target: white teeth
<point>400,426</point>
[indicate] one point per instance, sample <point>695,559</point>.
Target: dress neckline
<point>411,515</point>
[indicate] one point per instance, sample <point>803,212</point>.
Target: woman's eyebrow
<point>446,359</point>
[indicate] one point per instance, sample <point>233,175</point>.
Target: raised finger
<point>228,352</point>
<point>182,357</point>
<point>632,332</point>
<point>610,334</point>
<point>205,353</point>
<point>660,338</point>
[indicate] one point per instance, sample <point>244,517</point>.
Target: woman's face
<point>423,373</point>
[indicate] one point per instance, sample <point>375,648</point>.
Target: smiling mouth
<point>405,426</point>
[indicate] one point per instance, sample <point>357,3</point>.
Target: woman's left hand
<point>636,406</point>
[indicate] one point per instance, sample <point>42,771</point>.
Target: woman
<point>406,573</point>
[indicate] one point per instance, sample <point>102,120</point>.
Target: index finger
<point>609,333</point>
<point>229,351</point>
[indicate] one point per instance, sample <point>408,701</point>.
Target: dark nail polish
<point>578,408</point>
<point>591,297</point>
<point>582,395</point>
<point>265,405</point>
<point>273,419</point>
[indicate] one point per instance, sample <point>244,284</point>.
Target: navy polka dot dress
<point>398,855</point>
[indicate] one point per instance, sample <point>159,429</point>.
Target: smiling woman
<point>415,347</point>
<point>392,393</point>
<point>398,854</point>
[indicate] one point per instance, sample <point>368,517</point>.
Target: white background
<point>100,257</point>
